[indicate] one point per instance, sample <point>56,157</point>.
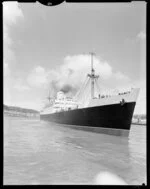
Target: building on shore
<point>19,112</point>
<point>139,119</point>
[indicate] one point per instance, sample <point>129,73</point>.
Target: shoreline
<point>37,116</point>
<point>139,124</point>
<point>21,115</point>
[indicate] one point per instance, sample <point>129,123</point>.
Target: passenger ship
<point>109,114</point>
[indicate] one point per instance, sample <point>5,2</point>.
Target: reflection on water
<point>38,152</point>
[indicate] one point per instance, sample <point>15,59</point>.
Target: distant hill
<point>19,109</point>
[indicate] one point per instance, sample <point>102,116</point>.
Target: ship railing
<point>103,96</point>
<point>122,93</point>
<point>108,95</point>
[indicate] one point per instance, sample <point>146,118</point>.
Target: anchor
<point>122,102</point>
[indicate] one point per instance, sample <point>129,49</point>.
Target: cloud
<point>11,12</point>
<point>20,86</point>
<point>133,41</point>
<point>119,75</point>
<point>70,76</point>
<point>6,70</point>
<point>75,68</point>
<point>37,77</point>
<point>118,81</point>
<point>7,39</point>
<point>141,35</point>
<point>82,63</point>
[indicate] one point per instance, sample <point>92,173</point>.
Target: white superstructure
<point>61,103</point>
<point>64,103</point>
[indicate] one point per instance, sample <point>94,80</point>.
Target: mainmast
<point>92,76</point>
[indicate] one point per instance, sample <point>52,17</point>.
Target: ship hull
<point>114,117</point>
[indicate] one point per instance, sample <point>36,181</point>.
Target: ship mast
<point>92,76</point>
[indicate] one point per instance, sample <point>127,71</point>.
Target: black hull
<point>114,116</point>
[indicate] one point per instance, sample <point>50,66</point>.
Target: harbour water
<point>40,152</point>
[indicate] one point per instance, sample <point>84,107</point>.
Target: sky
<point>48,48</point>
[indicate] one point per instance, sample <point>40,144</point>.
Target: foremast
<point>92,76</point>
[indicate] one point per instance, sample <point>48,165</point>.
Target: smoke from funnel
<point>67,88</point>
<point>71,75</point>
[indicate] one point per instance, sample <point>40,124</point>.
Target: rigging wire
<point>85,88</point>
<point>96,81</point>
<point>83,85</point>
<point>85,96</point>
<point>82,88</point>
